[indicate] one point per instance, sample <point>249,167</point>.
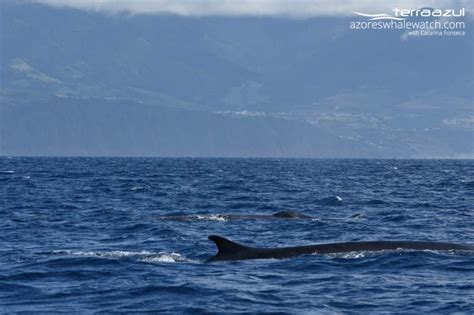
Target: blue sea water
<point>82,235</point>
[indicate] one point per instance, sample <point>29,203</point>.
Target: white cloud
<point>289,8</point>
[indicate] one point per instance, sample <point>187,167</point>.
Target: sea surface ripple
<point>81,235</point>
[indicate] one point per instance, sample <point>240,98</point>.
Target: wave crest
<point>142,256</point>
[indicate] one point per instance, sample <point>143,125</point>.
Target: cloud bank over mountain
<point>288,8</point>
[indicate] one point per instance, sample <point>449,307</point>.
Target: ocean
<point>88,235</point>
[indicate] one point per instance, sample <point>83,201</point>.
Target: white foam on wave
<point>349,255</point>
<point>211,217</point>
<point>142,256</point>
<point>163,257</point>
<point>363,254</point>
<point>112,254</point>
<point>7,172</point>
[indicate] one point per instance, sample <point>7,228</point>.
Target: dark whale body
<point>234,217</point>
<point>228,250</point>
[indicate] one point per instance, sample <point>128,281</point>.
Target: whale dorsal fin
<point>226,249</point>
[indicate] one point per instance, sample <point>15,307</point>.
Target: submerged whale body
<point>228,250</point>
<point>291,215</point>
<point>233,217</point>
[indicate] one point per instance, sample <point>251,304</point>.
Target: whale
<point>229,250</point>
<point>234,217</point>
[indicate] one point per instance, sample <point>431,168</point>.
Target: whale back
<point>290,215</point>
<point>229,250</point>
